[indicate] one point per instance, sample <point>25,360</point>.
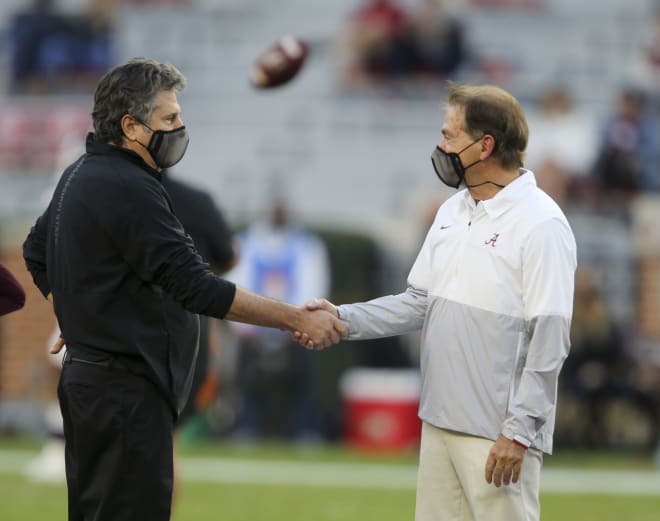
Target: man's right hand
<point>321,303</point>
<point>317,305</point>
<point>320,329</point>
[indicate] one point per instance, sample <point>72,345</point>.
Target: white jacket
<point>492,289</point>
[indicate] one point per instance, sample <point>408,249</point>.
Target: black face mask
<point>167,147</point>
<point>448,166</point>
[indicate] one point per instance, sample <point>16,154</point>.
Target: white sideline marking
<point>300,473</point>
<point>402,477</point>
<point>372,475</point>
<point>611,482</point>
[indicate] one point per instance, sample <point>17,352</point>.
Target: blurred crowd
<point>57,51</point>
<point>384,39</point>
<point>603,166</point>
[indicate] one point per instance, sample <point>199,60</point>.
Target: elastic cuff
<point>343,317</point>
<point>519,440</point>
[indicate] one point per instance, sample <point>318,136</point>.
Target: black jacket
<point>124,275</point>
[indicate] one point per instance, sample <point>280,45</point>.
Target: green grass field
<point>292,494</point>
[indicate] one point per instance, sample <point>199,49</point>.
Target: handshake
<point>320,326</point>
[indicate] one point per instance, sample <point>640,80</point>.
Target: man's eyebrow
<point>174,114</point>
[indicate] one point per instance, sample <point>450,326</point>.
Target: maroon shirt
<point>12,296</point>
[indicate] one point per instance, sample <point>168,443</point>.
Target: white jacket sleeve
<point>385,316</point>
<point>548,278</point>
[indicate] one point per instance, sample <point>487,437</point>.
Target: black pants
<point>118,432</point>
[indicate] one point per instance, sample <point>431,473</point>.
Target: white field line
<point>399,477</point>
<point>373,475</point>
<point>300,473</point>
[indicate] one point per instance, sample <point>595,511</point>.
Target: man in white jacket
<point>492,291</point>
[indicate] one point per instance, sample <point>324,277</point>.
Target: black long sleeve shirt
<point>124,276</point>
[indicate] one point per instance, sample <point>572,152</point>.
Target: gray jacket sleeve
<point>549,262</point>
<point>535,400</point>
<point>385,316</point>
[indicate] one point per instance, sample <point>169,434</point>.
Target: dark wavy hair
<point>131,88</point>
<point>492,110</point>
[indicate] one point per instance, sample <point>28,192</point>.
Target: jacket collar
<point>96,147</point>
<point>507,197</point>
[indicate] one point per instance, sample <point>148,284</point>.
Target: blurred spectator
<point>627,161</point>
<point>288,263</point>
<point>509,4</point>
<point>647,381</point>
<point>562,145</point>
<point>436,38</point>
<point>375,42</point>
<point>647,66</point>
<point>53,51</point>
<point>203,221</point>
<point>602,404</point>
<point>385,40</point>
<point>596,368</point>
<point>48,464</point>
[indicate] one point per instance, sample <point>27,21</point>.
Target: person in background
<point>374,43</point>
<point>436,39</point>
<point>127,284</point>
<point>597,372</point>
<point>628,156</point>
<point>492,291</point>
<point>48,464</point>
<point>12,295</point>
<point>203,221</point>
<point>562,146</point>
<point>54,50</point>
<point>284,262</point>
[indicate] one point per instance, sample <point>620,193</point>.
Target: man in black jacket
<point>126,284</point>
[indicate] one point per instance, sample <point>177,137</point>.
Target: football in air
<point>279,63</point>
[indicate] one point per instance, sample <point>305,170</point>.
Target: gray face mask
<point>167,147</point>
<point>448,166</point>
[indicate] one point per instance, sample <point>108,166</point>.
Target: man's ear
<point>487,145</point>
<point>129,126</point>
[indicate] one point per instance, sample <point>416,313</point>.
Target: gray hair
<point>492,110</point>
<point>131,88</point>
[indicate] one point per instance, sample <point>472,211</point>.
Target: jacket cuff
<point>523,442</point>
<point>520,430</point>
<point>342,313</point>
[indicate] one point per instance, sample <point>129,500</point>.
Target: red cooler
<point>380,408</point>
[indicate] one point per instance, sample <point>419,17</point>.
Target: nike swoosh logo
<point>444,227</point>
